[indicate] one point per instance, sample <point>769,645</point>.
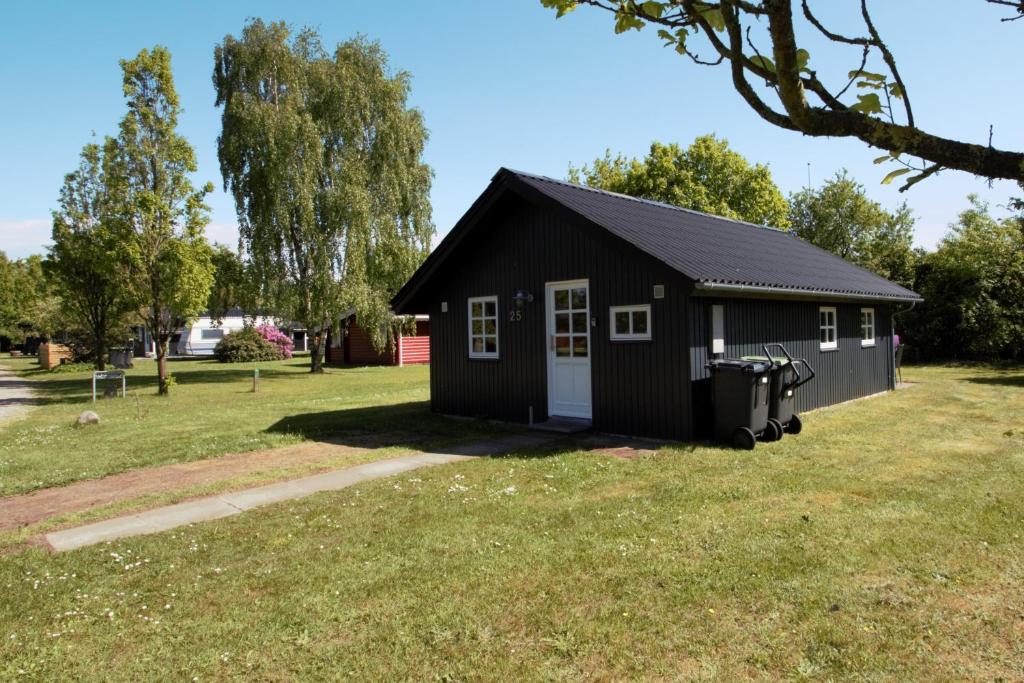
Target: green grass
<point>211,411</point>
<point>883,543</point>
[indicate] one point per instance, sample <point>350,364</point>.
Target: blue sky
<point>500,83</point>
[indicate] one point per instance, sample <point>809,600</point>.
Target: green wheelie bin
<point>740,396</point>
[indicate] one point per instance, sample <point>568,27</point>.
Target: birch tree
<point>323,157</point>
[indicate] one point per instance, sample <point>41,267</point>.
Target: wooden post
<point>255,380</point>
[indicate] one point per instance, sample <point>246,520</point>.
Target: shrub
<point>246,346</point>
<point>277,338</point>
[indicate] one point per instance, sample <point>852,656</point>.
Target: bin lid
<point>763,359</point>
<point>738,365</point>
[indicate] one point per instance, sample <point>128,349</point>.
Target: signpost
<point>108,374</point>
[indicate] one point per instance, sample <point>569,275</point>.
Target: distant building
<point>355,347</point>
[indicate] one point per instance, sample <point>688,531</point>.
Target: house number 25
<point>515,315</point>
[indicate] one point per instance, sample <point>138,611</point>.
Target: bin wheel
<point>743,438</point>
<point>773,432</point>
<point>795,425</point>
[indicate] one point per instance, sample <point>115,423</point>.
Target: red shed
<point>356,348</point>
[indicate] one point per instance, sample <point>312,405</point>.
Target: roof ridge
<point>642,200</point>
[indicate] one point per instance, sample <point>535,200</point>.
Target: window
<point>867,327</point>
<point>631,323</point>
<point>483,327</point>
<point>717,329</point>
<point>211,333</point>
<point>827,326</point>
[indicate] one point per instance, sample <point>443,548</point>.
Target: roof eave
<point>768,291</point>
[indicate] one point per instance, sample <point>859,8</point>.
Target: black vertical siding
<point>657,388</point>
<point>637,387</point>
<point>849,372</point>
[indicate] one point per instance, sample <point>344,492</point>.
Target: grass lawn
<point>882,543</point>
<point>211,411</point>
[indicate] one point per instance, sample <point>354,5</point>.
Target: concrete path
<point>16,395</point>
<point>215,507</point>
<point>318,456</point>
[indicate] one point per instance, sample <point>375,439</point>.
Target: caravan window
<point>209,334</point>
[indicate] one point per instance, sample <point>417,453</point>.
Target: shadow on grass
<point>398,424</point>
<point>77,387</point>
<point>401,425</point>
<point>1002,380</point>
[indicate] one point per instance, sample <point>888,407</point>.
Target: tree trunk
<point>316,352</point>
<point>101,352</point>
<point>161,367</point>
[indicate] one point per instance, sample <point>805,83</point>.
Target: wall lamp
<point>522,297</point>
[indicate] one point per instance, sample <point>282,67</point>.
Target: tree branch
<point>1017,5</point>
<point>792,82</point>
<point>890,61</point>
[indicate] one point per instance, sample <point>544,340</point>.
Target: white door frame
<point>585,412</point>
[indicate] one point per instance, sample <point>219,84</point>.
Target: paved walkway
<point>16,395</point>
<point>215,507</point>
<point>36,506</point>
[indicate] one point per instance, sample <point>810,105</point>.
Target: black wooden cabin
<point>554,300</point>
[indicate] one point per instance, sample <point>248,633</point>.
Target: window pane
<point>622,322</point>
<point>478,309</point>
<point>824,335</point>
<point>561,299</point>
<point>579,346</point>
<point>831,334</point>
<point>639,322</point>
<point>561,322</point>
<point>579,322</point>
<point>579,298</point>
<point>822,319</point>
<point>490,326</point>
<point>491,344</point>
<point>562,347</point>
<point>478,327</point>
<point>491,309</point>
<point>478,344</point>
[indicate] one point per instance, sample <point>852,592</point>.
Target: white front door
<point>568,311</point>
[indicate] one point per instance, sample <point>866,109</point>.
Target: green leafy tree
<point>162,215</point>
<point>840,218</point>
<point>706,176</point>
<point>233,286</point>
<point>869,100</point>
<point>28,306</point>
<point>323,157</point>
<point>973,286</point>
<point>85,264</point>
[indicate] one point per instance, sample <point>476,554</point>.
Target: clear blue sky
<point>500,83</point>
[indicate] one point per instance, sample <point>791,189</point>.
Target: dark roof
<point>714,252</point>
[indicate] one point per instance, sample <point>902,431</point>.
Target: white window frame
<point>484,300</point>
<point>864,339</point>
<point>631,335</point>
<point>834,344</point>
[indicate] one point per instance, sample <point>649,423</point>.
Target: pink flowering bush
<point>278,339</point>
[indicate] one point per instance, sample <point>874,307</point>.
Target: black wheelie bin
<point>740,396</point>
<point>785,378</point>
